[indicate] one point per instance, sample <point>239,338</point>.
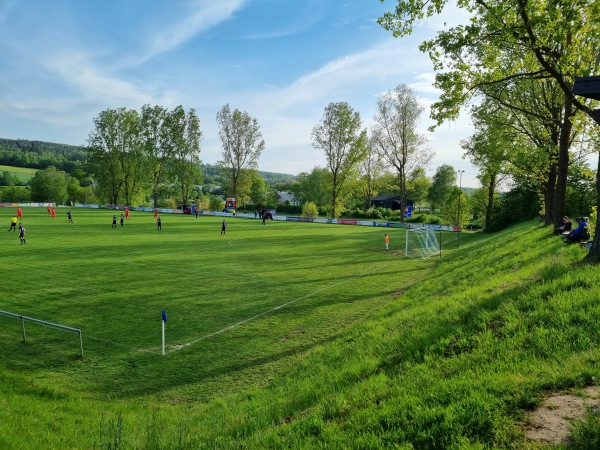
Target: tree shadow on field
<point>235,365</point>
<point>242,356</point>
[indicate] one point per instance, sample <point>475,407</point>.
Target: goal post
<point>421,243</point>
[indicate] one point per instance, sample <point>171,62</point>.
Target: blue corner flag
<point>164,315</point>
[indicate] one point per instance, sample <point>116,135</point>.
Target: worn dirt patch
<point>551,421</point>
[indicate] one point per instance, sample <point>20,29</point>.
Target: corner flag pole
<point>164,319</point>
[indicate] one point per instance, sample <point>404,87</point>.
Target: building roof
<point>386,197</point>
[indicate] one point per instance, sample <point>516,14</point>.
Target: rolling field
<point>242,307</point>
<point>290,335</point>
<point>22,173</point>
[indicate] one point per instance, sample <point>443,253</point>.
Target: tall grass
<point>288,335</point>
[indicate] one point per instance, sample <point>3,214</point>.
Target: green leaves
<point>242,144</point>
<point>133,154</point>
<point>340,137</point>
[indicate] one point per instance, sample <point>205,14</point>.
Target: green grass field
<point>24,174</point>
<point>242,308</point>
<point>289,335</point>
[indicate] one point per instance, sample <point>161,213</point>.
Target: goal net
<point>421,243</point>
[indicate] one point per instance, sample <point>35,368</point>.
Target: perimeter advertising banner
<point>397,225</point>
<point>381,224</point>
<point>299,219</point>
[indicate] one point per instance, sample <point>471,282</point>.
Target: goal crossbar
<point>43,322</point>
<point>424,243</point>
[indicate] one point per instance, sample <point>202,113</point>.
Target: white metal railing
<point>50,324</point>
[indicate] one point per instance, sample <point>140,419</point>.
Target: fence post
<point>23,328</point>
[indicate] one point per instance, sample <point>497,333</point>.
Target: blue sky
<point>62,62</point>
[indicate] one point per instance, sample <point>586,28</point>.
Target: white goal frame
<point>428,245</point>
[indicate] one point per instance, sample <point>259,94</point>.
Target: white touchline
<point>175,347</point>
<point>250,319</point>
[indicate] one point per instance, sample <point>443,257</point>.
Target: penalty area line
<point>177,347</point>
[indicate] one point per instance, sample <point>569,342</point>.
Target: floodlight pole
<point>460,173</point>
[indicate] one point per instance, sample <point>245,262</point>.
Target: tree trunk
<point>560,195</point>
<point>490,201</point>
<point>549,193</point>
<point>402,196</point>
<point>127,199</point>
<point>593,257</point>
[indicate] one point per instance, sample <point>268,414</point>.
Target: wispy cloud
<point>307,14</point>
<point>282,68</point>
<point>288,114</point>
<point>199,16</point>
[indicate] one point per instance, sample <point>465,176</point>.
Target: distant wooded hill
<point>212,174</point>
<point>41,155</point>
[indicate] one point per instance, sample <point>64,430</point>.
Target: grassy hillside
<point>289,335</point>
<point>24,174</point>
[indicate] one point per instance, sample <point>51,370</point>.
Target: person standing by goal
<point>387,242</point>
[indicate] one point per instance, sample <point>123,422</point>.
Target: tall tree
<point>456,207</point>
<point>7,179</point>
<point>313,187</point>
<point>562,35</point>
<point>258,190</point>
<point>157,147</point>
<point>417,185</point>
<point>443,182</point>
<point>130,153</point>
<point>340,137</point>
<point>488,150</point>
<point>104,155</point>
<point>241,143</point>
<point>49,185</point>
<point>370,169</point>
<point>396,136</point>
<point>185,134</point>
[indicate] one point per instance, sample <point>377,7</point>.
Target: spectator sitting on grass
<point>564,227</point>
<point>580,233</point>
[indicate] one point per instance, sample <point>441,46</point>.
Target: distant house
<point>389,202</point>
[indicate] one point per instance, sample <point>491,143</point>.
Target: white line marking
<point>176,347</point>
<point>264,313</point>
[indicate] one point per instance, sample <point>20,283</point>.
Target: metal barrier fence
<point>50,324</point>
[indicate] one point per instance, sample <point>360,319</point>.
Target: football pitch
<point>241,307</point>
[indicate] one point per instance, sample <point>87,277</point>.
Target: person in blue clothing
<point>580,233</point>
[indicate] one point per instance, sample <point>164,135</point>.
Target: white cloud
<point>68,78</point>
<point>200,16</point>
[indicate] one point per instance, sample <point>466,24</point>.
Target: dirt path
<point>550,423</point>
